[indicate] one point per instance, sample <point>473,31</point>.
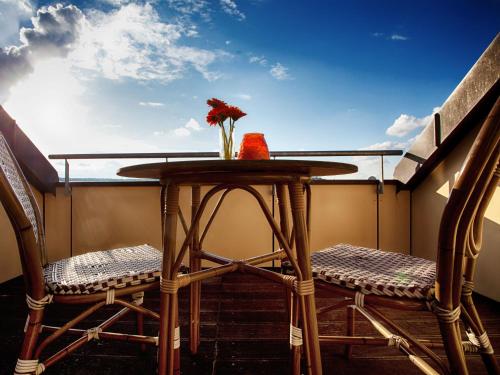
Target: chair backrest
<point>21,207</point>
<point>461,227</point>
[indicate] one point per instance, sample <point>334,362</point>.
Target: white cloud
<point>192,31</point>
<point>228,42</point>
<point>117,2</point>
<point>55,29</point>
<point>151,104</point>
<point>193,125</point>
<point>261,60</point>
<point>188,9</point>
<point>386,145</point>
<point>191,7</point>
<point>405,124</point>
<point>24,6</point>
<point>129,42</point>
<point>132,42</point>
<point>230,7</point>
<point>370,165</point>
<point>398,37</point>
<point>182,132</point>
<point>280,72</point>
<point>244,96</point>
<point>12,12</point>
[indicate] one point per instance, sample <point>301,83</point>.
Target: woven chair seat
<point>102,270</point>
<point>373,271</point>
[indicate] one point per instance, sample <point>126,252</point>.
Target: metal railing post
<point>380,185</point>
<point>67,187</point>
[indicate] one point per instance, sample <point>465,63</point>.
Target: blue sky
<point>132,76</point>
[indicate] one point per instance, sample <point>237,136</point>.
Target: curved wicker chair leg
<point>296,346</point>
<point>138,299</point>
<point>350,311</point>
<point>486,349</point>
<point>26,364</point>
<point>453,346</point>
<point>491,363</point>
<point>140,328</point>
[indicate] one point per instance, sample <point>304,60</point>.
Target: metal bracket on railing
<point>67,187</point>
<point>380,185</point>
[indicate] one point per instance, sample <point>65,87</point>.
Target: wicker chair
<point>118,276</point>
<point>372,278</point>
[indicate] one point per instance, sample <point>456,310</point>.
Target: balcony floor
<point>244,331</point>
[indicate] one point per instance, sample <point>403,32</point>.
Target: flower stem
<point>231,140</point>
<point>225,142</point>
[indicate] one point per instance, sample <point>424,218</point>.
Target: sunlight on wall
<point>444,190</point>
<point>493,211</point>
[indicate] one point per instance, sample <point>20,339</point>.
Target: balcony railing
<point>198,155</point>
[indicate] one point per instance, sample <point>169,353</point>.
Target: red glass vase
<point>253,147</point>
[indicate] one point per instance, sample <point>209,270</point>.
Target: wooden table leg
<point>309,320</point>
<point>168,297</point>
<point>194,265</point>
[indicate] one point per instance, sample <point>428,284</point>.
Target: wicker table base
<point>226,176</point>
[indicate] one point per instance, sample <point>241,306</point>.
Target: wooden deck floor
<point>244,331</point>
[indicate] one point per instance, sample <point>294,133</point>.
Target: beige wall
<point>348,213</point>
<point>10,266</point>
<point>57,223</point>
<point>96,218</point>
<point>428,202</point>
<point>394,214</point>
<point>108,217</point>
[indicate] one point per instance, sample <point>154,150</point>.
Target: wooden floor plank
<point>244,330</point>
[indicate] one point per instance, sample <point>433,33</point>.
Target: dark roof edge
<point>477,115</point>
<point>464,109</point>
<point>35,166</point>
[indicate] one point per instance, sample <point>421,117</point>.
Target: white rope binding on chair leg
<point>110,296</point>
<point>484,341</point>
<point>28,366</point>
<point>34,304</point>
<point>93,333</point>
<point>445,315</point>
<point>359,299</point>
<point>177,337</point>
<point>295,336</point>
